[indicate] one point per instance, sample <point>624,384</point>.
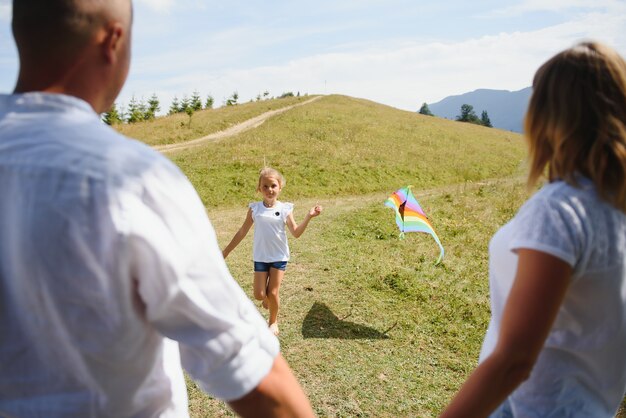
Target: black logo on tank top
<point>277,213</point>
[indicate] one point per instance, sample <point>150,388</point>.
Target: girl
<point>270,249</point>
<point>556,343</point>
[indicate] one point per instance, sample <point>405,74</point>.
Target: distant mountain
<point>506,109</point>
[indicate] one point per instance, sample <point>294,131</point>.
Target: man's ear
<point>112,41</point>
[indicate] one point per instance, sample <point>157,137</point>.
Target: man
<point>105,248</point>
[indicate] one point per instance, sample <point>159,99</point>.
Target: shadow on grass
<point>321,322</point>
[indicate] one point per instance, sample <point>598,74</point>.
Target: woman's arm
<point>531,308</point>
<point>239,235</point>
<point>297,230</point>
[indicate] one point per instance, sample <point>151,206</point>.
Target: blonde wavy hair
<point>576,120</point>
<point>271,172</point>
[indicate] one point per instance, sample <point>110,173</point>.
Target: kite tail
<point>401,235</point>
<point>441,253</point>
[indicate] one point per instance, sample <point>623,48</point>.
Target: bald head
<point>57,29</point>
<point>77,47</point>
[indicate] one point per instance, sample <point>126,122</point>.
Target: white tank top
<point>270,237</point>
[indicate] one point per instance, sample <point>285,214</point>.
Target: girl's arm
<point>531,308</point>
<point>239,235</point>
<point>297,230</point>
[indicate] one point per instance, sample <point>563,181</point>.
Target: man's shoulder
<point>56,128</point>
<point>104,149</point>
<point>100,152</point>
<point>131,158</point>
<point>119,146</point>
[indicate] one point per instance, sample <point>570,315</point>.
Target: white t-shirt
<point>270,237</point>
<point>581,370</point>
<point>106,250</point>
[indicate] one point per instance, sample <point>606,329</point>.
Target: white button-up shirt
<point>105,250</point>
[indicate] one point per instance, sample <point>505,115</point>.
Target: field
<point>369,324</point>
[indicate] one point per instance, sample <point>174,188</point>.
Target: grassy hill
<point>369,324</point>
<point>179,127</point>
<point>342,146</point>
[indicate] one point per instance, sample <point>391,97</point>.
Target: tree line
<point>467,115</point>
<point>141,110</point>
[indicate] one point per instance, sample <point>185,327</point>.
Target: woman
<point>556,343</point>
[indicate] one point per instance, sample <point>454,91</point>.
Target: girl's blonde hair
<point>576,120</point>
<point>271,172</point>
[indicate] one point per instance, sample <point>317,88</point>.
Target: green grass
<point>339,146</point>
<point>369,324</point>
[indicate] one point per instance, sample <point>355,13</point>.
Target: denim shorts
<point>264,267</point>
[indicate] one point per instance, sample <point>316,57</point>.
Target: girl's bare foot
<point>264,303</point>
<point>274,328</point>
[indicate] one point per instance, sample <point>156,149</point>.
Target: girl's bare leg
<point>276,277</point>
<point>260,286</point>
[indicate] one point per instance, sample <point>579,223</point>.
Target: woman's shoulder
<point>572,222</point>
<point>571,206</point>
<point>561,195</point>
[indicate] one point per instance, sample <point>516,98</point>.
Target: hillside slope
<point>177,128</point>
<point>340,146</point>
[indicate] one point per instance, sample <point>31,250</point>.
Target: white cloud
<point>5,10</point>
<point>528,6</point>
<point>157,5</point>
<point>401,74</point>
<point>166,6</point>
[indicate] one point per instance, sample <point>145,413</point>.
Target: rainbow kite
<point>409,215</point>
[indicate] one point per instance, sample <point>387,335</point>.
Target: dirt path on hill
<point>255,122</point>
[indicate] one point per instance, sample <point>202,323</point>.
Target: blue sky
<point>396,52</point>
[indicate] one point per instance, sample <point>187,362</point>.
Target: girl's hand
<point>316,210</point>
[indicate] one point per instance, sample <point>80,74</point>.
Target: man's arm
<point>190,297</point>
<point>278,395</point>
